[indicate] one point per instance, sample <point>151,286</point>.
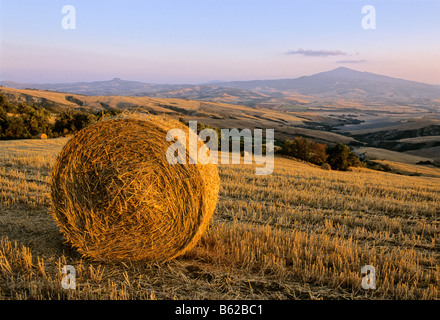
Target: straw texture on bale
<point>115,196</point>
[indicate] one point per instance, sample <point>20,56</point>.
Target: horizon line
<point>214,82</point>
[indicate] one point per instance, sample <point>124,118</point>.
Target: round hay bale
<point>41,136</point>
<point>326,166</point>
<point>115,196</point>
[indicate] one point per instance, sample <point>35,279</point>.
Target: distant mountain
<point>119,87</point>
<point>212,82</point>
<point>115,86</point>
<point>342,86</point>
<point>343,81</point>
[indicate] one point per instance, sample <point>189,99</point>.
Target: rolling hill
<point>223,115</point>
<point>341,105</point>
<point>339,88</point>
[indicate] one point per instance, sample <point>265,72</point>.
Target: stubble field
<point>300,233</point>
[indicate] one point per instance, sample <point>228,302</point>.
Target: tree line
<point>339,156</point>
<point>24,121</point>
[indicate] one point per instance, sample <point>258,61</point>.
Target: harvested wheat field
<point>300,233</point>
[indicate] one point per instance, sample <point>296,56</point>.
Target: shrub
<point>326,166</point>
<point>72,121</point>
<point>319,153</point>
<point>424,162</point>
<point>108,113</point>
<point>16,129</point>
<point>341,157</point>
<point>305,149</point>
<point>25,122</point>
<point>74,100</point>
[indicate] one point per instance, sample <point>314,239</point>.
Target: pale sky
<point>195,41</point>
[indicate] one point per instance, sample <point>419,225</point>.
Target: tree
<point>71,121</point>
<point>108,113</point>
<point>16,129</point>
<point>6,105</point>
<point>305,149</point>
<point>217,130</point>
<point>64,122</point>
<point>25,121</point>
<point>3,119</point>
<point>319,153</point>
<point>75,100</point>
<point>341,157</point>
<point>35,119</point>
<point>299,148</point>
<point>83,119</point>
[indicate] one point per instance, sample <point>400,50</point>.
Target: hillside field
<point>218,114</point>
<point>300,233</point>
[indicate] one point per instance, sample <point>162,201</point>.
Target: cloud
<point>352,61</point>
<point>317,53</point>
